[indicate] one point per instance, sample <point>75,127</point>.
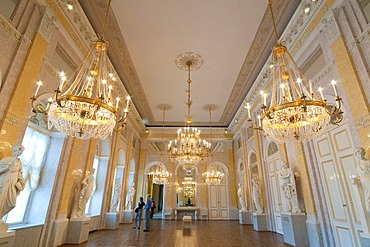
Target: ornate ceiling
<point>234,39</point>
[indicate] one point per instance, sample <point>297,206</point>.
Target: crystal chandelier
<point>213,176</point>
<point>84,106</point>
<point>161,176</point>
<point>295,111</point>
<point>188,186</point>
<point>189,148</point>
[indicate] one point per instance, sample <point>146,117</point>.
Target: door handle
<point>344,205</point>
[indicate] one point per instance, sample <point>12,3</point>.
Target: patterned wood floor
<point>170,233</point>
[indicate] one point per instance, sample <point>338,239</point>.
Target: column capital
<point>47,23</point>
<point>330,25</point>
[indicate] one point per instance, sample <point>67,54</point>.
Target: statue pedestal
<point>294,228</point>
<point>128,216</point>
<point>111,220</point>
<point>245,217</point>
<point>7,238</point>
<point>78,230</point>
<point>260,222</point>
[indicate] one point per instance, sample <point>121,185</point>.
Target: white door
<point>337,164</point>
<point>218,202</point>
<point>273,164</point>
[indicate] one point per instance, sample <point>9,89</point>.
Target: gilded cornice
<point>71,25</point>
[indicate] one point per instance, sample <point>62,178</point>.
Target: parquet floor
<point>170,233</point>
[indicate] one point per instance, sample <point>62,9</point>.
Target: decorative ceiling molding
<point>121,59</point>
<point>195,59</point>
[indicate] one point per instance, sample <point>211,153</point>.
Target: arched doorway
<point>218,195</point>
<point>157,191</point>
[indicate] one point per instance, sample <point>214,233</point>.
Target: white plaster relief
<point>47,24</point>
<point>363,122</point>
<point>330,26</point>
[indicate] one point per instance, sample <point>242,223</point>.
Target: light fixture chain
<point>273,20</point>
<point>106,18</point>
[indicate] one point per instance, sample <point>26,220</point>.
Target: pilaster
<point>247,188</point>
<point>260,169</point>
<point>16,114</point>
<point>232,178</point>
<point>350,82</point>
<point>304,177</point>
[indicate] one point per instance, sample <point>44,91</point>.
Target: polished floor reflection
<point>170,233</point>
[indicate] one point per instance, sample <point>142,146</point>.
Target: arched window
<point>33,156</point>
<point>100,164</point>
<point>272,148</point>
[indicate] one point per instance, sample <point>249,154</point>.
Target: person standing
<point>147,213</point>
<point>138,212</point>
<point>152,209</point>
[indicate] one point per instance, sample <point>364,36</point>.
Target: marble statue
<point>256,196</point>
<point>86,191</point>
<point>11,182</point>
<point>116,196</point>
<point>131,197</point>
<point>363,171</point>
<point>77,176</point>
<point>287,184</point>
<point>241,198</point>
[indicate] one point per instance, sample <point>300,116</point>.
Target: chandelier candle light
<point>161,176</point>
<point>213,176</point>
<point>295,112</point>
<point>84,106</point>
<point>189,148</point>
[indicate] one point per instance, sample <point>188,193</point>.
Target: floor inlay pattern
<point>170,233</point>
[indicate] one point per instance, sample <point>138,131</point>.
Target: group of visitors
<point>149,207</point>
